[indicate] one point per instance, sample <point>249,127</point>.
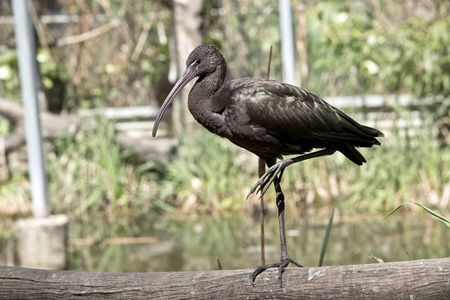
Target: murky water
<point>200,244</point>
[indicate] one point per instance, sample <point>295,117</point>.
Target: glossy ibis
<point>269,119</point>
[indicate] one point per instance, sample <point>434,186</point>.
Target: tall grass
<point>211,174</point>
<point>208,174</point>
<point>90,175</point>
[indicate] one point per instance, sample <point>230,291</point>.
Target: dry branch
<point>421,279</point>
<point>113,241</point>
<point>75,39</point>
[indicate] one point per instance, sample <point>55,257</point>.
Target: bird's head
<point>203,60</point>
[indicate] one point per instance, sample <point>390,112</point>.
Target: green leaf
<point>435,214</point>
<point>8,57</point>
<point>219,265</point>
<point>379,260</point>
<point>429,210</point>
<point>326,238</point>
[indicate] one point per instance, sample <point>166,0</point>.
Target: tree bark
<point>420,279</point>
<point>187,20</point>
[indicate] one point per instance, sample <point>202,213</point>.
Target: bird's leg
<point>277,169</point>
<point>273,175</point>
<point>285,259</point>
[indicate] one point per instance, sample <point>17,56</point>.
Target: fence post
<point>287,41</point>
<point>42,239</point>
<point>28,86</point>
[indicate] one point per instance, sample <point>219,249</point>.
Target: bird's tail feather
<point>351,153</point>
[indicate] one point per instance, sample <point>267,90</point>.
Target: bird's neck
<point>202,102</point>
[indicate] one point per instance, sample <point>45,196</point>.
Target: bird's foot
<point>268,177</point>
<point>281,265</point>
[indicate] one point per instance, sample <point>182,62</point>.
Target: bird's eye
<point>195,63</point>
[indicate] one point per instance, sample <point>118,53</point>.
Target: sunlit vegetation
<point>353,48</point>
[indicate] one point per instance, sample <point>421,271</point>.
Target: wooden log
<point>54,125</point>
<point>420,279</point>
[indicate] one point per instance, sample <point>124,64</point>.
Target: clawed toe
<point>266,180</point>
<point>281,265</point>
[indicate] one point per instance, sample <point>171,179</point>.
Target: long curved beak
<point>187,76</point>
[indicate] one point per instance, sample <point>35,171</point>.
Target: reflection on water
<point>197,245</point>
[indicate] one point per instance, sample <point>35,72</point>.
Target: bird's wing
<point>284,111</point>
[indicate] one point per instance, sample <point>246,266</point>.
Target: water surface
<point>187,245</point>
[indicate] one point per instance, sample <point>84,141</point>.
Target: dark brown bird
<point>269,119</point>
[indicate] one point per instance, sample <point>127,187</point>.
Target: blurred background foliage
<point>352,48</point>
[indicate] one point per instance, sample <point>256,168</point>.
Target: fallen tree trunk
<point>420,279</point>
<point>54,125</point>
